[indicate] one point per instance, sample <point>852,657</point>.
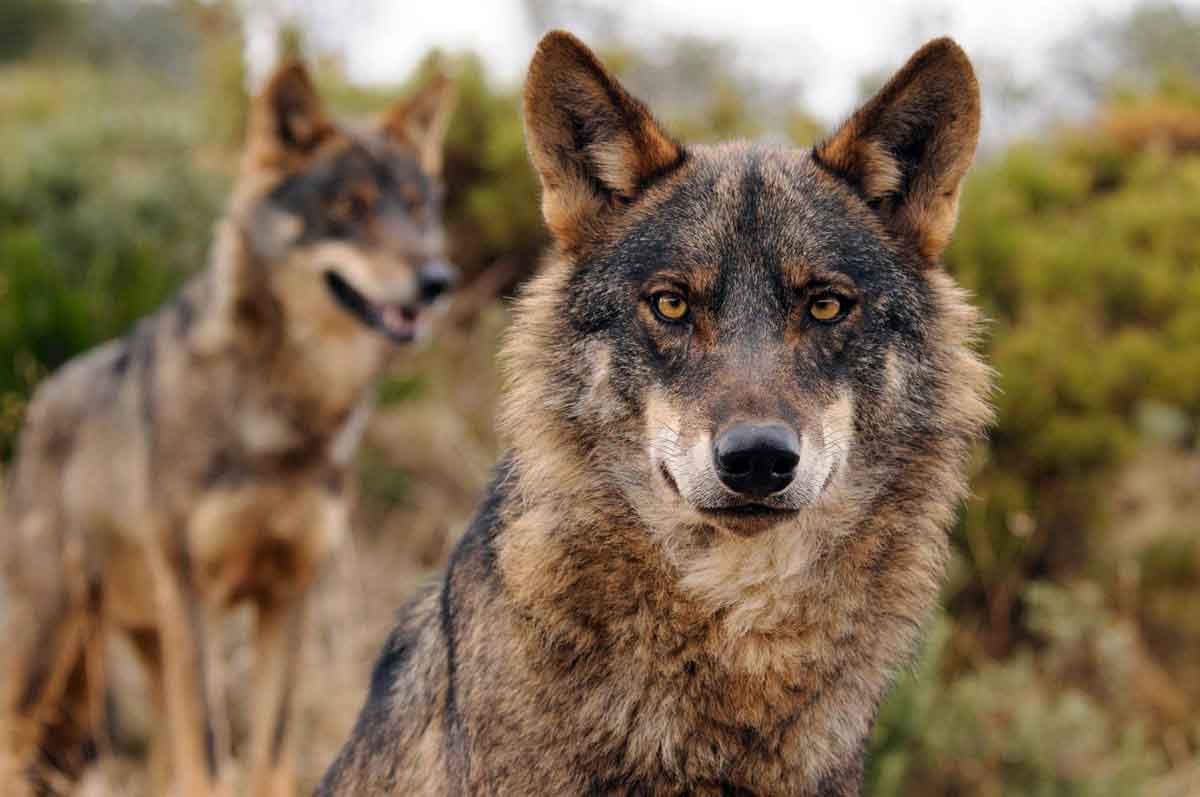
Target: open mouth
<point>399,321</point>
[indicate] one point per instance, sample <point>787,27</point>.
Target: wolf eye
<point>669,306</point>
<point>350,208</point>
<point>826,308</point>
<point>411,195</point>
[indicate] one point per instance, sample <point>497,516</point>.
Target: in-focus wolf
<point>741,400</point>
<point>201,461</point>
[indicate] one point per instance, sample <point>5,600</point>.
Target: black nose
<point>435,278</point>
<point>757,460</point>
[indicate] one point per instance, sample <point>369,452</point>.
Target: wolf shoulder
<point>406,738</point>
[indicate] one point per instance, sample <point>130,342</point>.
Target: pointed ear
<point>907,149</point>
<point>421,121</point>
<point>594,146</point>
<point>287,121</point>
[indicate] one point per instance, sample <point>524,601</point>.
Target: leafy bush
<point>102,214</point>
<point>1084,255</point>
<point>24,24</point>
<point>1065,665</point>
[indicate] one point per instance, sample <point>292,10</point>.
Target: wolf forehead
<point>350,181</point>
<point>744,229</point>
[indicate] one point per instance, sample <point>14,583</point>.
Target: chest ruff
<point>263,541</point>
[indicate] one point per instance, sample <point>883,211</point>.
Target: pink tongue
<point>398,318</point>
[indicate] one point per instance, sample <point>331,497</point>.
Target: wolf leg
<point>46,659</point>
<point>180,624</point>
<point>277,648</point>
<point>148,646</point>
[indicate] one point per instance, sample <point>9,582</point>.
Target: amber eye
<point>351,208</point>
<point>669,306</point>
<point>825,308</point>
<point>411,196</point>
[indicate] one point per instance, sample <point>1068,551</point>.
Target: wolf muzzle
<point>395,320</point>
<point>757,460</point>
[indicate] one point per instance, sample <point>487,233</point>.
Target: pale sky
<point>826,45</point>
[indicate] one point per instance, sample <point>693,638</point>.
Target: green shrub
<point>101,217</point>
<point>1064,666</point>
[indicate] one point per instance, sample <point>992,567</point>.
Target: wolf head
<point>345,221</point>
<point>742,339</point>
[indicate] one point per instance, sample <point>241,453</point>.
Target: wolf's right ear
<point>421,121</point>
<point>595,147</point>
<point>287,120</point>
<point>907,149</point>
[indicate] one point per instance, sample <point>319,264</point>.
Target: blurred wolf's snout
<point>435,279</point>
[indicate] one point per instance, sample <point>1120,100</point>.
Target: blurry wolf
<point>201,461</point>
<point>741,401</point>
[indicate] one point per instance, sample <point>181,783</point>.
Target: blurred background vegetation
<point>1067,658</point>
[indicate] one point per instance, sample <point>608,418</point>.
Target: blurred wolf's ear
<point>287,121</point>
<point>907,149</point>
<point>595,147</point>
<point>421,121</point>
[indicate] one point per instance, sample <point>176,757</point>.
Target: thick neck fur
<point>304,365</point>
<point>794,633</point>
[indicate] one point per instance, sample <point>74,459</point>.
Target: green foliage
<point>380,484</point>
<point>1085,258</point>
<point>1027,724</point>
<point>102,213</point>
<point>25,24</point>
<point>491,211</point>
<point>221,55</point>
<point>399,388</point>
<point>1066,663</point>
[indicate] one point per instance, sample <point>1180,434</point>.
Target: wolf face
<point>754,334</point>
<point>348,219</point>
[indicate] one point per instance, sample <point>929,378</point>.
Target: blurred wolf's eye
<point>354,207</point>
<point>669,306</point>
<point>826,308</point>
<point>411,196</point>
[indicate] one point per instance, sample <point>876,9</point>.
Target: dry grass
<point>444,441</point>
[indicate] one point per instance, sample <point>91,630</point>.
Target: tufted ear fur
<point>421,121</point>
<point>595,147</point>
<point>287,121</point>
<point>907,149</point>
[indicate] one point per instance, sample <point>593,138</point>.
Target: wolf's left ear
<point>287,120</point>
<point>421,121</point>
<point>907,149</point>
<point>594,146</point>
